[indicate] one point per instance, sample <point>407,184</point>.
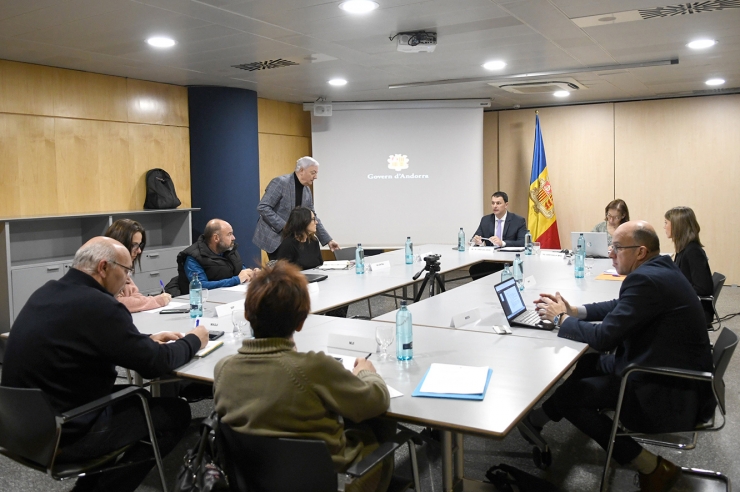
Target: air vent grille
<point>689,8</point>
<point>265,65</point>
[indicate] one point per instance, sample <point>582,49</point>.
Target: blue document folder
<point>457,396</point>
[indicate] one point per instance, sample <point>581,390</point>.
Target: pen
<point>197,322</point>
<point>368,356</point>
<point>162,284</point>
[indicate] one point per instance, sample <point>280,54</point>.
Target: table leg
<point>453,466</point>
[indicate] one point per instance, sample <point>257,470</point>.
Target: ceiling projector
<point>416,42</point>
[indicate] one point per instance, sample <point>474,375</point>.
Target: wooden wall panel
<point>26,89</point>
<point>278,155</point>
<point>92,160</point>
<point>683,152</point>
<point>27,160</point>
<point>66,145</point>
<point>89,95</point>
<point>158,104</point>
<point>165,147</point>
<point>579,147</point>
<point>490,158</point>
<point>283,118</point>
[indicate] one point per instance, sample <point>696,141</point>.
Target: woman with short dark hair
<point>132,235</point>
<point>616,213</point>
<point>269,388</point>
<point>682,228</point>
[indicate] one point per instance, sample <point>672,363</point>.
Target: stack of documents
<point>453,381</point>
<point>334,265</point>
<point>210,347</point>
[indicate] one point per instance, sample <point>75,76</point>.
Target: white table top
<point>551,274</point>
<point>523,368</point>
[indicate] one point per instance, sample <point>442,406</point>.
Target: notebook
<point>514,308</point>
<point>315,277</point>
<point>596,245</point>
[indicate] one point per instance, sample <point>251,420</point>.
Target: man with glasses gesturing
<point>656,321</point>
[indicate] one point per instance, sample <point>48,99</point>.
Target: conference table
<point>524,369</point>
<point>525,366</point>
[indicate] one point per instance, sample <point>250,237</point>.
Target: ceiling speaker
<point>322,109</point>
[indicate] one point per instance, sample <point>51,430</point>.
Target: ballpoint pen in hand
<point>162,284</point>
<point>368,356</point>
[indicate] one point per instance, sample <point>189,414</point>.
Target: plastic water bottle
<point>519,272</point>
<point>409,251</point>
<point>506,274</point>
<point>528,244</point>
<point>580,261</point>
<point>359,260</point>
<point>582,243</point>
<point>404,334</point>
<point>461,240</point>
<point>196,297</point>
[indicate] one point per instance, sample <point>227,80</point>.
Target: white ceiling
<point>108,36</point>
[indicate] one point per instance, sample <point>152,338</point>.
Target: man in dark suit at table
<point>282,195</point>
<point>68,339</point>
<point>500,229</point>
<point>656,321</point>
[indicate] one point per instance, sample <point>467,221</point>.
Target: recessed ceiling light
<point>494,65</point>
<point>701,44</point>
<point>161,42</point>
<point>561,93</point>
<point>358,6</point>
<point>715,81</point>
<point>337,82</point>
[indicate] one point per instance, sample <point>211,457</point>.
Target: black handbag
<point>201,471</point>
<point>506,478</point>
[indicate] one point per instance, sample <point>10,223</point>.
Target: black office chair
<point>718,281</point>
<point>275,464</point>
<point>723,350</point>
<point>30,430</point>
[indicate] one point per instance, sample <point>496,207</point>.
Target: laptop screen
<point>510,298</point>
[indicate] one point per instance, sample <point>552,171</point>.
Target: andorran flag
<point>543,225</point>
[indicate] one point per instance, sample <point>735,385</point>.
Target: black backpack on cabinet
<point>160,191</point>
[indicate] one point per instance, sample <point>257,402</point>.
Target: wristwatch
<point>556,319</point>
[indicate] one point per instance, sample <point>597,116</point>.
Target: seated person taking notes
<point>269,388</point>
<point>300,245</point>
<point>67,341</point>
<point>214,258</point>
<point>656,321</point>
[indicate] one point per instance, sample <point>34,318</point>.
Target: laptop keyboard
<point>528,318</point>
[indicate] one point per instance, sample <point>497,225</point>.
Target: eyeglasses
<point>608,216</point>
<point>139,246</point>
<point>129,270</point>
<point>617,248</point>
<point>315,219</point>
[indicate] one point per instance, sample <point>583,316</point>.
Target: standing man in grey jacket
<point>282,195</point>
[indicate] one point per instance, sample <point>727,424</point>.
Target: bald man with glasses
<point>656,321</point>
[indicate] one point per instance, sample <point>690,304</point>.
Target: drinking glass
<point>204,295</point>
<point>536,247</point>
<point>384,335</point>
<point>589,266</point>
<point>239,322</point>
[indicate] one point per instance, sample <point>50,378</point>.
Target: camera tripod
<point>432,268</point>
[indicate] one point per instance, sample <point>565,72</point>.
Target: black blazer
<point>515,228</point>
<point>693,262</point>
<point>656,321</point>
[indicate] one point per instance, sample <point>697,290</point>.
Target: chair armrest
<point>101,402</point>
<point>668,371</point>
<point>706,298</point>
<point>367,463</point>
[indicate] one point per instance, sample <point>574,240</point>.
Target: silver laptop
<point>514,308</point>
<point>596,245</point>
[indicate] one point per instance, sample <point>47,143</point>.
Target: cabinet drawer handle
<point>154,274</point>
<point>52,269</point>
<point>153,255</point>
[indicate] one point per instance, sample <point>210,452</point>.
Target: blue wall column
<point>224,162</point>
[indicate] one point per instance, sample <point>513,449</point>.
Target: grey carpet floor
<point>577,461</point>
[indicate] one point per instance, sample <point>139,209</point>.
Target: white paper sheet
<point>449,378</point>
<point>171,305</point>
<point>236,288</point>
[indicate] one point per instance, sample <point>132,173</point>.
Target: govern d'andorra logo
<point>398,162</point>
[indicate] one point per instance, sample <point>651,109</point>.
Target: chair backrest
<point>28,426</point>
<point>345,254</point>
<point>718,281</point>
<point>275,464</point>
<point>724,347</point>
